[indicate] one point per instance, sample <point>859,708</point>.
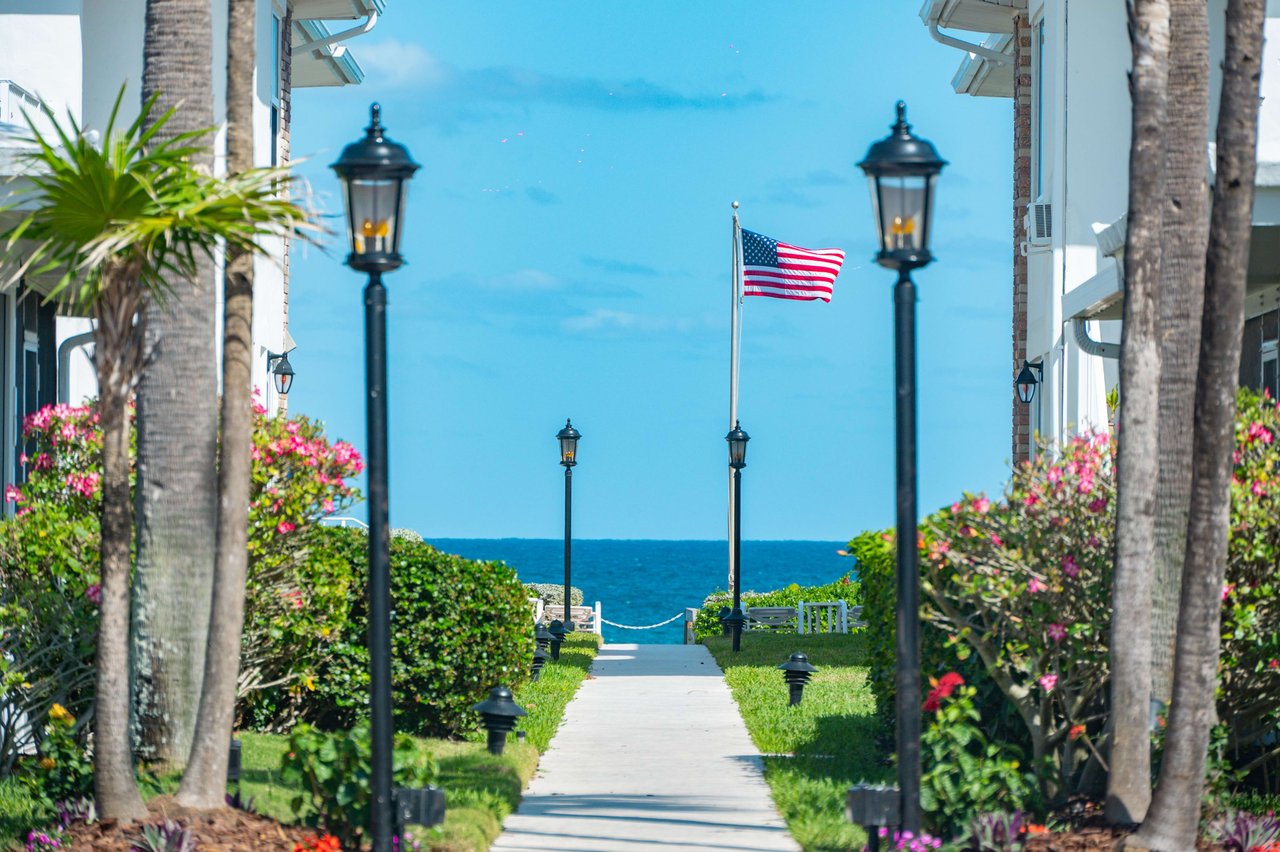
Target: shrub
<point>49,563</point>
<point>708,622</point>
<point>964,772</point>
<point>333,769</point>
<point>59,771</point>
<point>460,627</point>
<point>552,594</point>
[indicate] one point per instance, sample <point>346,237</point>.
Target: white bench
<point>829,617</point>
<point>584,618</point>
<point>770,617</point>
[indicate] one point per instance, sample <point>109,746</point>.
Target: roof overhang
<point>336,10</point>
<point>1102,296</point>
<point>975,16</point>
<point>983,77</point>
<point>324,65</point>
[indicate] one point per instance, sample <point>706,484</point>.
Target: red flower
<point>942,688</point>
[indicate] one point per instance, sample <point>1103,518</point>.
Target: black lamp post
<point>737,440</point>
<point>1028,377</point>
<point>557,631</point>
<point>281,371</point>
<point>375,174</point>
<point>568,438</point>
<point>902,169</point>
<point>542,635</point>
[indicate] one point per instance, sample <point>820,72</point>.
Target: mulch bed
<point>1090,833</point>
<point>225,830</point>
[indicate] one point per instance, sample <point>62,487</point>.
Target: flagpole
<point>735,348</point>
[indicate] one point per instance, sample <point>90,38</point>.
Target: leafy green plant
<point>167,836</point>
<point>708,622</point>
<point>964,772</point>
<point>1237,831</point>
<point>59,771</point>
<point>999,831</point>
<point>552,594</point>
<point>460,627</point>
<point>332,770</point>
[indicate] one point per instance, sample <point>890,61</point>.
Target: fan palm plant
<point>108,223</point>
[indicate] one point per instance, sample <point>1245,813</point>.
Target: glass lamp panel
<point>568,451</point>
<point>374,214</point>
<point>284,381</point>
<point>927,233</point>
<point>401,202</point>
<point>1026,391</point>
<point>902,211</point>
<point>874,183</point>
<point>738,453</point>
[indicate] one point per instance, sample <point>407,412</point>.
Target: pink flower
<point>94,594</point>
<point>292,427</point>
<point>1055,475</point>
<point>982,505</point>
<point>956,507</point>
<point>1274,664</point>
<point>1030,499</point>
<point>1257,489</point>
<point>22,458</point>
<point>1227,589</point>
<point>1099,505</point>
<point>43,462</point>
<point>285,527</point>
<point>12,494</point>
<point>1095,542</point>
<point>328,507</point>
<point>1086,483</point>
<point>996,540</point>
<point>1057,632</point>
<point>1069,566</point>
<point>1048,682</point>
<point>966,531</point>
<point>1035,586</point>
<point>1259,432</point>
<point>1235,457</point>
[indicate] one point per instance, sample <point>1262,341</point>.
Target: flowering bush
<point>327,843</point>
<point>49,562</point>
<point>59,771</point>
<point>906,840</point>
<point>964,772</point>
<point>1025,582</point>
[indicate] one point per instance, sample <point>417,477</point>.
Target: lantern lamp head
<point>1028,377</point>
<point>737,447</point>
<point>568,438</point>
<point>902,169</point>
<point>375,174</point>
<point>281,371</point>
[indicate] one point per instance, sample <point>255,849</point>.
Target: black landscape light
<point>902,170</point>
<point>422,806</point>
<point>1028,377</point>
<point>557,637</point>
<point>568,438</point>
<point>540,658</point>
<point>281,371</point>
<point>375,174</point>
<point>723,616</point>
<point>873,807</point>
<point>234,763</point>
<point>542,635</point>
<point>737,440</point>
<point>796,672</point>
<point>498,714</point>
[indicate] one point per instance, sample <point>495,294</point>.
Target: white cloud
<point>604,319</point>
<point>400,63</point>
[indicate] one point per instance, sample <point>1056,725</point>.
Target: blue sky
<point>568,247</point>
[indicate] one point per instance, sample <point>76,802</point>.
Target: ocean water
<point>642,582</point>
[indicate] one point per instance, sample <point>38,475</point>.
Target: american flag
<point>771,268</point>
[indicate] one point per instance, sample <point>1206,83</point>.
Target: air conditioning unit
<point>1039,223</point>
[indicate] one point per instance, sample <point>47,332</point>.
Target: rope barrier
<point>642,627</point>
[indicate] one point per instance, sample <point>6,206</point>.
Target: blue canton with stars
<point>758,250</point>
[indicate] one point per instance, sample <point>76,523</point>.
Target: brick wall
<point>1021,436</point>
<point>282,150</point>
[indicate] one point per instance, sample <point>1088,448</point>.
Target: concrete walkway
<point>651,753</point>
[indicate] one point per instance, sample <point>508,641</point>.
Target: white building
<point>1066,66</point>
<point>73,56</point>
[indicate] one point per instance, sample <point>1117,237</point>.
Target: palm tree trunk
<point>204,783</point>
<point>1129,784</point>
<point>1175,812</point>
<point>177,430</point>
<point>118,347</point>
<point>1179,304</point>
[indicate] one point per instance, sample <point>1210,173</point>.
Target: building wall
<point>1022,425</point>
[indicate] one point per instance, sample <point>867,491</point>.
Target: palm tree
<point>1179,303</point>
<point>1129,784</point>
<point>177,424</point>
<point>1175,811</point>
<point>118,222</point>
<point>204,782</point>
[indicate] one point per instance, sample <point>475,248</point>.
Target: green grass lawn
<point>816,751</point>
<point>481,789</point>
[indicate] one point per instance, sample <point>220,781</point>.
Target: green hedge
<point>708,622</point>
<point>877,572</point>
<point>459,628</point>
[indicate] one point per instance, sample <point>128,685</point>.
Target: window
<point>276,35</point>
<point>1037,111</point>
